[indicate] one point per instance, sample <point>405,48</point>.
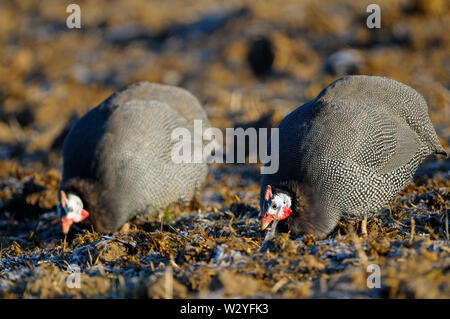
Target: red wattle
<point>84,214</point>
<point>285,213</point>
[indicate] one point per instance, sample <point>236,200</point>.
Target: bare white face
<point>277,203</point>
<point>275,207</point>
<point>75,206</point>
<point>70,210</point>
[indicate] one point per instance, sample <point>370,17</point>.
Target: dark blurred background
<point>242,59</point>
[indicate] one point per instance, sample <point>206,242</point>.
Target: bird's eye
<point>274,206</point>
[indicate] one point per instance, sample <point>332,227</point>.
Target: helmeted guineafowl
<point>117,157</point>
<point>347,154</point>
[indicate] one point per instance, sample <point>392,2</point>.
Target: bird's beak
<point>266,220</point>
<point>65,224</point>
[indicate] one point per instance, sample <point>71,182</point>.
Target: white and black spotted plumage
<point>357,144</point>
<point>117,157</point>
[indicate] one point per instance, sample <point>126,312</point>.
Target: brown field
<point>51,75</point>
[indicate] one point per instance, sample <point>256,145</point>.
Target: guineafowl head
<point>70,210</point>
<point>276,206</point>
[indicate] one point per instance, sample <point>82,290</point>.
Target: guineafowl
<point>117,162</point>
<point>346,154</point>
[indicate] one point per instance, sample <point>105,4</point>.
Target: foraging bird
<point>347,154</point>
<point>117,157</point>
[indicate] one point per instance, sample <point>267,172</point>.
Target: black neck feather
<point>308,214</point>
<point>94,201</point>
